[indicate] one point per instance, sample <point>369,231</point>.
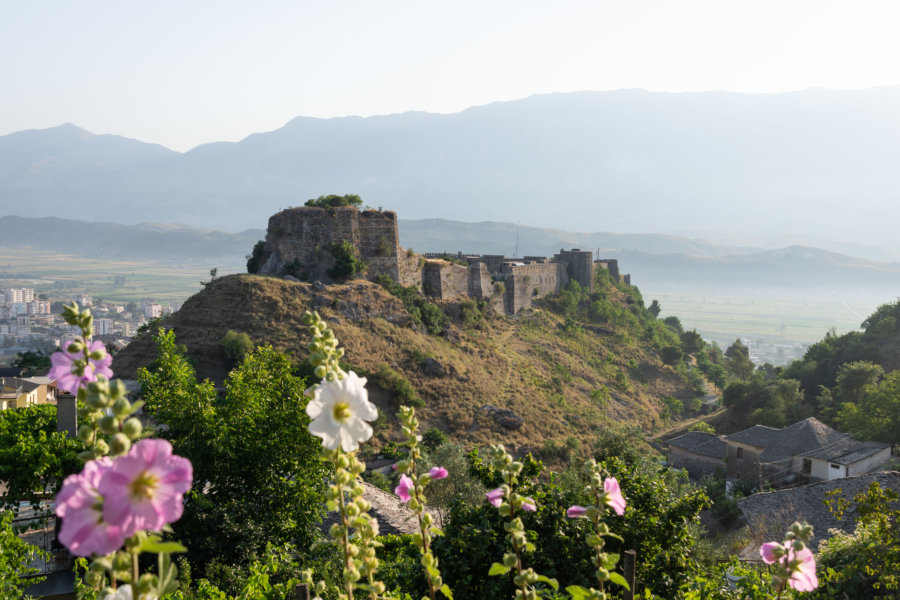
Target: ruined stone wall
<point>492,261</point>
<point>611,265</point>
<point>444,280</point>
<point>526,282</point>
<point>581,266</point>
<point>410,267</point>
<point>480,285</point>
<point>378,235</point>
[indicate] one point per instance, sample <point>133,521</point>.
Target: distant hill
<point>815,162</point>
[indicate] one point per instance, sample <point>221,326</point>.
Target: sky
<point>183,73</point>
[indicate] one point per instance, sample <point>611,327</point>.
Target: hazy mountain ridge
<point>816,161</point>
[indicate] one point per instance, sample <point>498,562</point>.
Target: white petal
<point>325,429</point>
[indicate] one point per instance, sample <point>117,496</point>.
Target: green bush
<point>347,263</point>
<point>255,257</point>
<point>400,389</point>
<point>333,201</point>
<point>433,438</point>
<point>236,346</point>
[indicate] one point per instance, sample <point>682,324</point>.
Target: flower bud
<point>133,428</point>
<point>320,372</point>
<point>122,408</point>
<point>108,424</point>
<point>74,347</point>
<point>120,443</point>
<point>146,582</point>
<point>98,354</point>
<point>122,561</point>
<point>86,433</point>
<point>101,448</point>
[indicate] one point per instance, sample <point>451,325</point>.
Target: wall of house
<point>697,466</point>
<point>747,466</point>
<point>867,464</point>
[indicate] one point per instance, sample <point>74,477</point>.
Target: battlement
<point>302,241</point>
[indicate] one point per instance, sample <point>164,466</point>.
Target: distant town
<point>31,322</point>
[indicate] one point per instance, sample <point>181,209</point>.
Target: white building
<point>152,311</point>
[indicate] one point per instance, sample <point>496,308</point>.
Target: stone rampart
<point>580,266</point>
<point>611,265</point>
<point>526,282</point>
<point>444,280</point>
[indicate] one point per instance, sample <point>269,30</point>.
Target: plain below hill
<point>534,380</point>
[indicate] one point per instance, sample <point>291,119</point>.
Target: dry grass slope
<point>564,384</point>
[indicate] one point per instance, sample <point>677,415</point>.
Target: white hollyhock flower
<point>339,410</point>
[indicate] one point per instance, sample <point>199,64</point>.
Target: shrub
<point>333,200</point>
<point>433,438</point>
<point>395,384</point>
<point>347,263</point>
<point>255,257</point>
<point>235,346</point>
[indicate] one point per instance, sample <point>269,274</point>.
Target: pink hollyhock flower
<point>62,364</point>
<point>576,511</point>
<point>801,565</point>
<point>803,573</point>
<point>144,489</point>
<point>613,495</point>
<point>394,467</point>
<point>495,497</point>
<point>528,505</point>
<point>438,472</point>
<point>402,490</point>
<point>83,531</point>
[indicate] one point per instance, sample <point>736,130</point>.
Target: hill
<point>815,162</point>
<point>566,382</point>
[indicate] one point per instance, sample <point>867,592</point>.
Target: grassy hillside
<point>568,378</point>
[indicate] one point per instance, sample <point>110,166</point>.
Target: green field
<point>62,275</point>
<point>770,316</point>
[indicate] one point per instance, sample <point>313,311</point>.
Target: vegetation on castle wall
<point>335,201</point>
<point>254,259</point>
<point>422,312</point>
<point>347,263</point>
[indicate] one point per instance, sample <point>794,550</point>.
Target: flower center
<point>144,486</point>
<point>341,412</point>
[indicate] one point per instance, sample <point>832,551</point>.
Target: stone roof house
<point>770,514</point>
<point>701,454</point>
<point>806,451</point>
<point>16,392</point>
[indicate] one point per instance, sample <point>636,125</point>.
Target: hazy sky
<point>181,73</point>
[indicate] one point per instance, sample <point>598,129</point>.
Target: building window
<point>807,466</point>
<point>834,466</point>
<point>740,452</point>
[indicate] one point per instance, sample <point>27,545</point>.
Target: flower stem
<point>348,558</point>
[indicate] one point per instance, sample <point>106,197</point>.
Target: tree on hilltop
<point>333,201</point>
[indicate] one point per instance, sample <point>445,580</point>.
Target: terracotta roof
<point>808,438</point>
<point>704,444</point>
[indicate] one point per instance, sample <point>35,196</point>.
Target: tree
<point>333,200</point>
<point>255,257</point>
<point>34,457</point>
<point>691,342</point>
<point>32,363</point>
<point>739,363</point>
<point>236,345</point>
<point>654,308</point>
<point>347,263</point>
<point>257,474</point>
<point>877,415</point>
<point>671,355</point>
<point>17,558</point>
<point>675,323</point>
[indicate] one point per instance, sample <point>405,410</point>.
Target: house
<point>17,392</point>
<point>804,452</point>
<point>701,454</point>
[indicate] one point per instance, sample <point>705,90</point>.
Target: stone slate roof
<point>22,386</point>
<point>703,444</point>
<point>808,438</point>
<point>771,513</point>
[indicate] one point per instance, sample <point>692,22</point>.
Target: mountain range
<point>815,162</point>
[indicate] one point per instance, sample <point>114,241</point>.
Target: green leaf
<point>498,569</point>
<point>168,575</point>
<point>618,580</point>
<point>445,590</point>
<point>551,582</point>
<point>577,592</point>
<point>159,547</point>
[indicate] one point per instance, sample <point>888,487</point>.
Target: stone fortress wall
<point>303,236</point>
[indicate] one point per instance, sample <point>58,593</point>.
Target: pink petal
<point>402,490</point>
<point>614,496</point>
<point>438,472</point>
<point>576,511</point>
<point>528,505</point>
<point>495,497</point>
<point>767,552</point>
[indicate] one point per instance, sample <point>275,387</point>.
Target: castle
<point>303,240</point>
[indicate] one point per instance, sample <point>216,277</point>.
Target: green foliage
<point>236,345</point>
<point>396,385</point>
<point>32,363</point>
<point>775,403</point>
<point>703,427</point>
<point>865,563</point>
<point>654,308</point>
<point>691,342</point>
<point>739,363</point>
<point>656,524</point>
<point>34,457</point>
<point>152,325</point>
<point>254,259</point>
<point>877,414</point>
<point>334,201</point>
<point>470,314</point>
<point>16,558</point>
<point>347,263</point>
<point>423,312</point>
<point>294,268</point>
<point>433,438</point>
<point>671,355</point>
<point>257,477</point>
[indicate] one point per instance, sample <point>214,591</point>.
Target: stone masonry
<point>301,239</point>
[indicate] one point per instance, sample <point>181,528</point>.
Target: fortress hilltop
<point>306,242</point>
